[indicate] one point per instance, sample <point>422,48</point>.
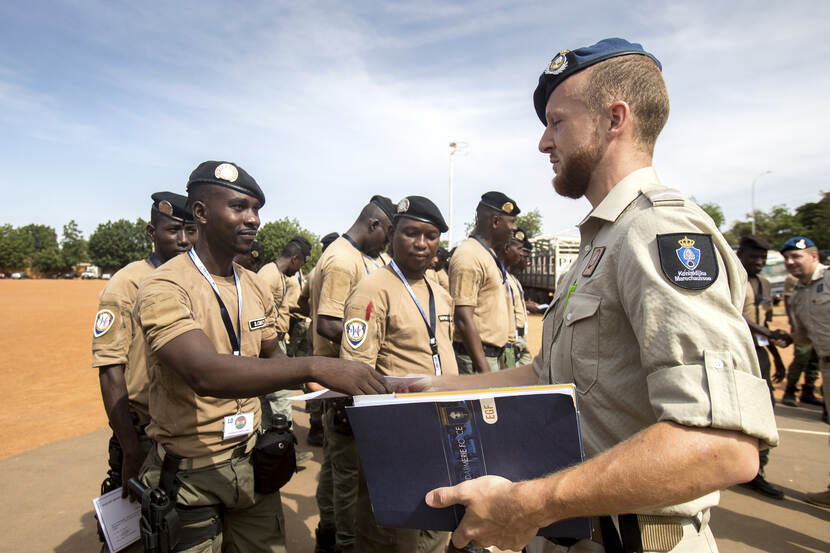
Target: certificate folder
<point>410,444</point>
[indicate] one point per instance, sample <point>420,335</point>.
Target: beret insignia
<point>520,235</point>
<point>166,207</point>
<point>507,207</point>
<point>558,64</point>
<point>254,254</point>
<point>801,244</point>
<point>226,171</point>
<point>403,205</point>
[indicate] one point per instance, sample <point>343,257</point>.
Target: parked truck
<point>551,258</point>
<point>92,271</point>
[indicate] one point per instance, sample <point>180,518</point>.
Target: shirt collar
<point>623,193</point>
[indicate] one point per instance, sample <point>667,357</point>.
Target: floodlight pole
<point>453,147</point>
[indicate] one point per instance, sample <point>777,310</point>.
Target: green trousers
<point>804,361</point>
<point>341,452</point>
<point>465,364</point>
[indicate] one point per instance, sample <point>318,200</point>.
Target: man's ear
<point>619,116</point>
<point>200,210</point>
<point>150,231</point>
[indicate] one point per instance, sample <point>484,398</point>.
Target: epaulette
<point>661,197</point>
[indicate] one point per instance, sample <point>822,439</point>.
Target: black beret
<point>519,235</point>
<point>172,205</point>
<point>256,250</point>
<point>421,209</point>
<point>527,245</point>
<point>752,241</point>
<point>303,243</point>
<point>229,175</point>
<point>500,202</point>
<point>328,239</point>
<point>385,205</point>
<point>568,62</point>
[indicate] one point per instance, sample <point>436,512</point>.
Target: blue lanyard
<point>496,259</point>
<point>154,260</point>
<point>235,338</point>
<point>300,278</point>
<point>433,344</point>
<point>363,256</point>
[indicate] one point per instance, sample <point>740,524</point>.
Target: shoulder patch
<point>355,330</point>
<point>688,260</point>
<point>103,322</point>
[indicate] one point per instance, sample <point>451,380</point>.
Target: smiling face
<point>414,244</point>
<point>228,219</point>
<point>801,263</point>
<point>571,139</point>
<point>753,260</point>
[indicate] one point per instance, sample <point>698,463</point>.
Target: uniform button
<point>569,316</point>
<point>717,363</point>
<point>586,249</point>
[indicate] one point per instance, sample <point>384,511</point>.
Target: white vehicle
<point>91,272</point>
<point>16,275</point>
<point>106,276</point>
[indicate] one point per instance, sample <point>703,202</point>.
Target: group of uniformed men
<point>646,324</point>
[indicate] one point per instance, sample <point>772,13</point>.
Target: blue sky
<point>328,103</point>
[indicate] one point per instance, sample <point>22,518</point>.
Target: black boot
<point>789,396</point>
<point>325,540</point>
<point>760,485</point>
<point>808,396</point>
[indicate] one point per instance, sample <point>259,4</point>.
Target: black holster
<point>159,519</point>
<point>274,457</point>
<point>341,418</point>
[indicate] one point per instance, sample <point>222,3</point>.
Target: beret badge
<point>558,64</point>
<point>507,207</point>
<point>520,236</point>
<point>403,205</point>
<point>226,171</point>
<point>801,244</point>
<point>166,207</point>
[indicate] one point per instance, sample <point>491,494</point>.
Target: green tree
<point>273,237</point>
<point>531,222</point>
<point>49,260</point>
<point>73,245</point>
<point>715,212</point>
<point>117,243</point>
<point>814,217</point>
<point>14,247</point>
<point>777,226</point>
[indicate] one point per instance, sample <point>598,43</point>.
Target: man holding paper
<point>646,324</point>
<point>400,322</point>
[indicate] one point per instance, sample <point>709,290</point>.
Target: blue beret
<point>797,243</point>
<point>568,62</point>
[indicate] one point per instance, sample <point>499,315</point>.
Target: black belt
<point>520,331</point>
<point>489,351</point>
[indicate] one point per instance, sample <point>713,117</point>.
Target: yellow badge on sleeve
<point>103,322</point>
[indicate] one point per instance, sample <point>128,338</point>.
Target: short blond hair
<point>637,81</point>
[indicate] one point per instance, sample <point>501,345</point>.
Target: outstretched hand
<point>352,378</point>
<point>495,514</point>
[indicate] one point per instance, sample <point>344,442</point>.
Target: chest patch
<point>596,255</point>
<point>445,318</point>
<point>256,324</point>
<point>688,260</point>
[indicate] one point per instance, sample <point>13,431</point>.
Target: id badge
<point>761,340</point>
<point>437,362</point>
<point>238,424</point>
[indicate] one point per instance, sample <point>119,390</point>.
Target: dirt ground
<point>45,372</point>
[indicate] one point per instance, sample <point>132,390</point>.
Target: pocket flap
<point>581,306</point>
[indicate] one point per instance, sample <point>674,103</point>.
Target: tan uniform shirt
<point>337,272</point>
<point>641,349</point>
<point>277,284</point>
<point>476,280</point>
<point>117,337</point>
<point>518,297</point>
<point>383,328</point>
<point>176,299</point>
<point>293,285</point>
<point>758,305</point>
<point>810,308</point>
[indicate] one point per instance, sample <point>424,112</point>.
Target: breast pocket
<point>581,336</point>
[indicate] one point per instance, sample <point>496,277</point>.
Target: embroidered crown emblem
<point>686,242</point>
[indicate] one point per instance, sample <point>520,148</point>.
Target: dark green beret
<point>421,209</point>
<point>172,205</point>
<point>229,175</point>
<point>500,202</point>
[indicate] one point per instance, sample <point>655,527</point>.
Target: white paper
<point>391,381</point>
<point>761,340</point>
<point>119,518</point>
<point>462,395</point>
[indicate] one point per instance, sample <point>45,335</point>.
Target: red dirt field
<point>50,390</point>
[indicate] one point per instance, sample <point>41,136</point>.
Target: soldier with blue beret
<point>646,324</point>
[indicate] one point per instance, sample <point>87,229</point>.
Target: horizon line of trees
<point>114,244</point>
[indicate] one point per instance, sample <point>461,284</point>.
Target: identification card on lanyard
<point>433,344</point>
<point>234,337</point>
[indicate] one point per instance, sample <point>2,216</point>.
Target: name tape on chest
<point>256,324</point>
<point>688,260</point>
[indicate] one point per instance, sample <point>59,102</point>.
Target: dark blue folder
<point>408,449</point>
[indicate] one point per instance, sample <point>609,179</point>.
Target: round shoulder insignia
<point>558,64</point>
<point>103,322</point>
<point>520,236</point>
<point>507,207</point>
<point>226,171</point>
<point>403,205</point>
<point>355,332</point>
<point>166,207</point>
